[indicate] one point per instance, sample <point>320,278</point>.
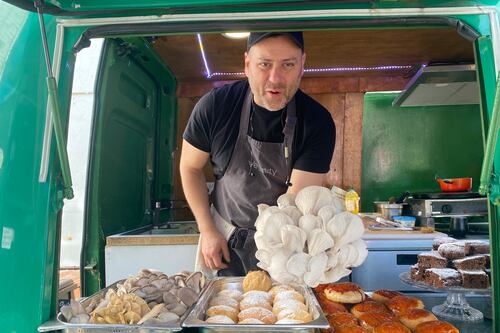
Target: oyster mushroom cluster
<point>309,238</point>
<point>149,298</point>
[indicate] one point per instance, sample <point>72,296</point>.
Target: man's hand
<point>213,247</point>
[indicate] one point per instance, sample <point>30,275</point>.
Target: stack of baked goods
<point>453,263</point>
<point>349,310</point>
<point>258,302</point>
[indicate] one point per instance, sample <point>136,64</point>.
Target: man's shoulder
<point>232,90</point>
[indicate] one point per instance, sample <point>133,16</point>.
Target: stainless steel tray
<point>197,315</point>
<point>116,328</point>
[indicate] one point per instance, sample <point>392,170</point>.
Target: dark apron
<point>258,172</point>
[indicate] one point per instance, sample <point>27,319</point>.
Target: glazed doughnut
<point>340,319</point>
<point>328,306</point>
<point>370,320</point>
<point>351,329</point>
<point>436,326</point>
<point>391,327</point>
<point>413,317</point>
<point>401,304</point>
<point>383,296</point>
<point>368,306</point>
<point>346,292</point>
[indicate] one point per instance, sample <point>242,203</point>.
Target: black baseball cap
<point>295,36</point>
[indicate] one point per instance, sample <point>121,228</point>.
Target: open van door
<point>132,140</point>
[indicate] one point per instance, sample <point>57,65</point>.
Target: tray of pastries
<point>349,309</point>
<point>255,303</point>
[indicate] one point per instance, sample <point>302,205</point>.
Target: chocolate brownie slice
<point>487,259</point>
<point>452,251</point>
<point>476,247</point>
<point>442,277</point>
<point>442,240</point>
<point>431,259</point>
<point>472,263</point>
<point>417,273</point>
<point>474,279</point>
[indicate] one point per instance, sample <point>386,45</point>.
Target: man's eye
<point>289,65</point>
<point>264,65</point>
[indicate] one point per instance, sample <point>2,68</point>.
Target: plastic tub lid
<point>404,218</point>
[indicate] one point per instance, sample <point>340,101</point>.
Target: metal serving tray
<point>116,328</point>
<point>197,315</point>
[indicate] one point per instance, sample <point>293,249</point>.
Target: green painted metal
<point>404,148</point>
<point>132,87</point>
<point>163,6</point>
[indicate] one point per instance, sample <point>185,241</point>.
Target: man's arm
<point>301,179</point>
<point>194,184</point>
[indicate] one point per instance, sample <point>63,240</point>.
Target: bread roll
<point>288,304</point>
<point>264,315</point>
<point>298,314</point>
<point>219,319</point>
<point>258,293</point>
<point>351,329</point>
<point>345,292</point>
<point>368,306</point>
<point>287,294</point>
<point>391,327</point>
<point>257,280</point>
<point>253,301</point>
<point>401,304</point>
<point>223,310</point>
<point>383,296</point>
<point>328,306</point>
<point>224,300</point>
<point>340,319</point>
<point>279,287</point>
<point>413,317</point>
<point>370,320</point>
<point>436,326</point>
<point>231,293</point>
<point>251,321</point>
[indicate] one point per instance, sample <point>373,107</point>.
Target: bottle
<point>352,201</point>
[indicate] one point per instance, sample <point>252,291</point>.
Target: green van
<point>159,57</point>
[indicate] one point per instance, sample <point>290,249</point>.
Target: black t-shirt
<point>214,124</point>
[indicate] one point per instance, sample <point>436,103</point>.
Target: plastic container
<point>388,210</point>
<point>405,221</point>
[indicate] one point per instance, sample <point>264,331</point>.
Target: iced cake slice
<point>431,259</point>
<point>443,277</point>
<point>474,279</point>
<point>476,247</point>
<point>452,251</point>
<point>442,240</point>
<point>472,263</point>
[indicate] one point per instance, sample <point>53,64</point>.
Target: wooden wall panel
<point>353,122</point>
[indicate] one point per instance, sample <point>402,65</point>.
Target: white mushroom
<point>293,238</point>
<point>297,264</point>
<point>319,241</point>
<point>311,199</point>
<point>285,200</point>
<point>293,212</point>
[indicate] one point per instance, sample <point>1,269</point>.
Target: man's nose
<point>276,75</point>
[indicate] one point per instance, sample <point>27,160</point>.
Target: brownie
<point>487,263</point>
<point>417,273</point>
<point>474,279</point>
<point>452,251</point>
<point>442,240</point>
<point>476,247</point>
<point>442,277</point>
<point>488,272</point>
<point>431,259</point>
<point>472,263</point>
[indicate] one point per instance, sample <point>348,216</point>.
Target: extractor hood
<point>441,85</point>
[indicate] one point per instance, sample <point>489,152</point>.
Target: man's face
<point>274,67</point>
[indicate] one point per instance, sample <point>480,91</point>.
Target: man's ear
<point>247,63</point>
<point>303,62</point>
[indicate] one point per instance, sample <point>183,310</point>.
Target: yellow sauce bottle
<point>352,201</point>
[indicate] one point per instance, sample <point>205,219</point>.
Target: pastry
<point>383,296</point>
<point>223,310</point>
<point>289,321</point>
<point>298,314</point>
<point>452,251</point>
<point>279,287</point>
<point>417,273</point>
<point>231,293</point>
<point>431,259</point>
<point>219,319</point>
<point>474,279</point>
<point>287,294</point>
<point>227,301</point>
<point>442,240</point>
<point>257,280</point>
<point>368,306</point>
<point>351,329</point>
<point>258,294</point>
<point>391,327</point>
<point>345,292</point>
<point>413,317</point>
<point>288,304</point>
<point>401,304</point>
<point>328,306</point>
<point>264,315</point>
<point>436,326</point>
<point>340,319</point>
<point>472,263</point>
<point>370,320</point>
<point>254,301</point>
<point>442,277</point>
<point>476,247</point>
<point>251,321</point>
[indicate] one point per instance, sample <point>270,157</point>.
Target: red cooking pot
<point>455,184</point>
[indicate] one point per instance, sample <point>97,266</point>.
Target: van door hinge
<point>55,109</point>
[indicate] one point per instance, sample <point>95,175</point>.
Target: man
<point>264,137</point>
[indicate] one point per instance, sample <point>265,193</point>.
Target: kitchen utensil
<point>455,184</point>
<point>388,210</point>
